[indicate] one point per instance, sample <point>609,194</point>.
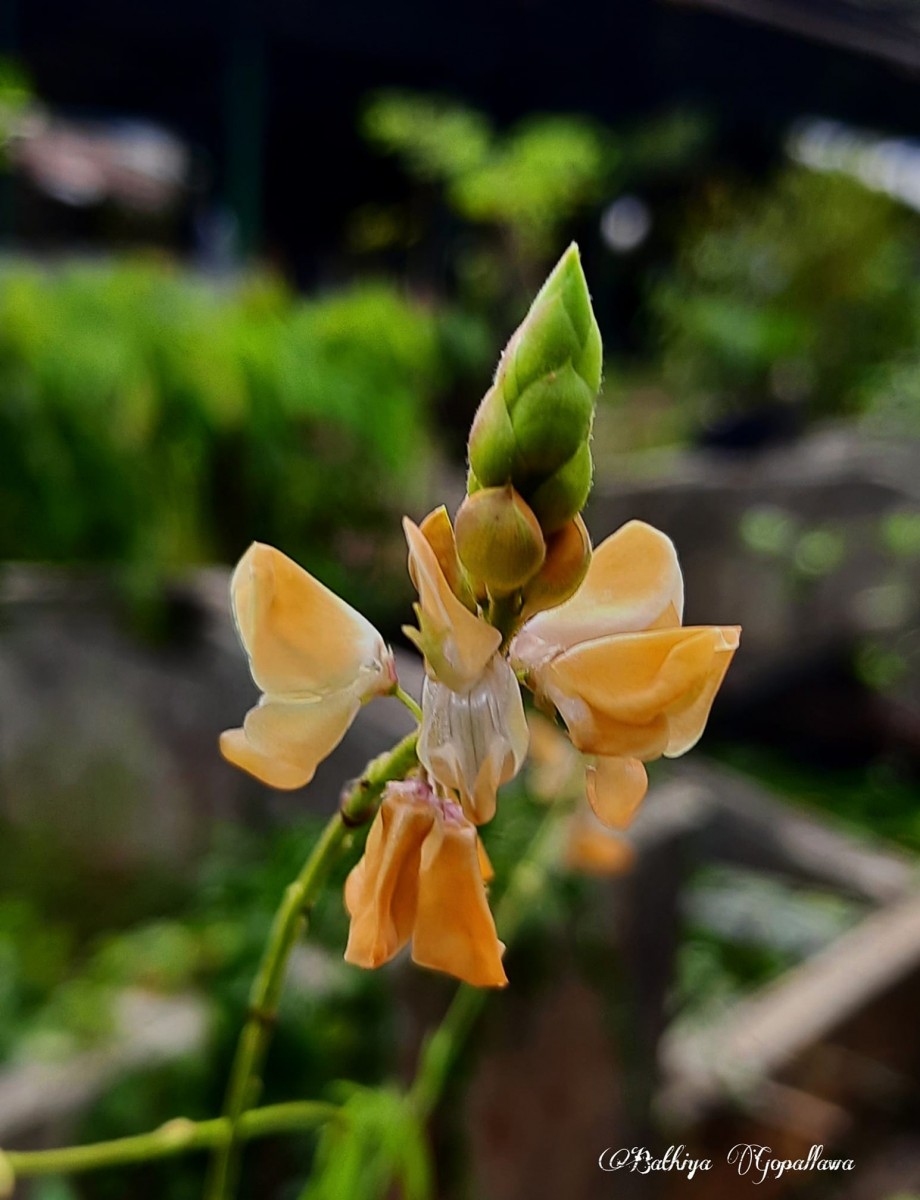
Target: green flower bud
<point>499,540</point>
<point>564,494</point>
<point>568,555</point>
<point>537,415</point>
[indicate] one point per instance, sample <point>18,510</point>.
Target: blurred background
<point>257,263</point>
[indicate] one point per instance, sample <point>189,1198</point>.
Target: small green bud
<point>537,416</point>
<point>552,418</point>
<point>499,540</point>
<point>492,446</point>
<point>568,555</point>
<point>564,494</point>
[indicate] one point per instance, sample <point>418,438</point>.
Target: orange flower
<point>421,877</point>
<point>315,658</point>
<point>630,683</point>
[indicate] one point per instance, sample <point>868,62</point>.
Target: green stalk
<point>358,805</point>
<point>180,1136</point>
<point>442,1048</point>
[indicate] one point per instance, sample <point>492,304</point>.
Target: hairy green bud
<point>533,426</point>
<point>568,555</point>
<point>564,494</point>
<point>499,540</point>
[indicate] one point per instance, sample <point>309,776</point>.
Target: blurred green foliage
<point>59,988</point>
<point>527,182</point>
<point>794,292</point>
<point>150,417</point>
<point>16,95</point>
<point>514,196</point>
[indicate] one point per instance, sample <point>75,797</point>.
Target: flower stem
<point>406,699</point>
<point>441,1048</point>
<point>179,1136</point>
<point>357,806</point>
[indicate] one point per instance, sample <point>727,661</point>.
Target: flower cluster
<point>509,594</point>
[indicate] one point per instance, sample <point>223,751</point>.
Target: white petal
<point>475,740</point>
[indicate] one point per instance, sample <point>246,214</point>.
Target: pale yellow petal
<point>301,638</point>
<point>615,788</point>
<point>381,893</point>
<point>237,749</point>
<point>635,677</point>
<point>687,721</point>
<point>456,643</point>
<point>454,929</point>
<point>283,741</point>
<point>633,583</point>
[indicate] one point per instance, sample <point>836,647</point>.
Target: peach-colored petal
<point>485,863</point>
<point>381,893</point>
<point>439,533</point>
<point>454,929</point>
<point>472,741</point>
<point>595,732</point>
<point>617,695</point>
<point>634,677</point>
<point>238,750</point>
<point>633,583</point>
<point>301,638</point>
<point>283,741</point>
<point>687,722</point>
<point>455,642</point>
<point>615,788</point>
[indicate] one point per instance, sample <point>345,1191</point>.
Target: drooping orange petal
<point>455,642</point>
<point>615,788</point>
<point>300,637</point>
<point>381,893</point>
<point>454,929</point>
<point>633,583</point>
<point>283,741</point>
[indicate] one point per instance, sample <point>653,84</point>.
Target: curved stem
<point>441,1048</point>
<point>406,699</point>
<point>180,1136</point>
<point>357,806</point>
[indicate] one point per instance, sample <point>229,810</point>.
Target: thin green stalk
<point>443,1046</point>
<point>406,699</point>
<point>179,1136</point>
<point>358,805</point>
